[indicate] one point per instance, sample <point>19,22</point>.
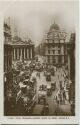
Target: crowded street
<point>42,90</point>
<point>51,100</point>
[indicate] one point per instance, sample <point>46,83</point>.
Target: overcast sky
<point>33,19</point>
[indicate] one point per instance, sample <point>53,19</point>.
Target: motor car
<point>43,87</point>
<point>32,83</point>
<point>48,77</point>
<point>49,91</point>
<point>53,86</point>
<point>42,97</point>
<point>27,76</point>
<point>26,81</point>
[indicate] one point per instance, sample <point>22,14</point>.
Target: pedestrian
<point>64,95</point>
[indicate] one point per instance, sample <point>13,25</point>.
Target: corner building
<point>56,46</point>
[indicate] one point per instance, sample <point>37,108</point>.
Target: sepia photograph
<point>39,58</point>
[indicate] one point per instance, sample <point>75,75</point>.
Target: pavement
<point>66,108</point>
<point>52,104</point>
<point>54,108</point>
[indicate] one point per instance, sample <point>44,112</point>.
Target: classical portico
<point>22,51</point>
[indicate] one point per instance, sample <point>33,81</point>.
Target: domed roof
<point>54,27</point>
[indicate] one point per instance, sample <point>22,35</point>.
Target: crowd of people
<point>63,84</point>
<point>59,73</point>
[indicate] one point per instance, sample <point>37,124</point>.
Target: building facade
<point>72,66</point>
<point>7,52</point>
<point>56,46</point>
<point>22,50</point>
<point>8,74</point>
<point>72,56</point>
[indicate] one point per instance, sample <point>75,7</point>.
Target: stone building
<point>8,74</point>
<point>22,50</point>
<point>56,46</point>
<point>7,52</point>
<point>72,56</point>
<point>71,52</point>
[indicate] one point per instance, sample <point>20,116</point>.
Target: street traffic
<point>39,89</point>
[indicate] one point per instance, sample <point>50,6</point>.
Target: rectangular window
<point>53,59</point>
<point>48,59</point>
<point>53,51</point>
<point>56,41</point>
<point>58,51</point>
<point>48,40</point>
<point>48,51</point>
<point>59,59</point>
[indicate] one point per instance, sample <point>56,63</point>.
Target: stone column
<point>62,59</point>
<point>50,59</point>
<point>31,53</point>
<point>56,59</point>
<point>47,59</point>
<point>24,54</point>
<point>27,53</point>
<point>21,55</point>
<point>62,50</point>
<point>14,54</point>
<point>17,53</point>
